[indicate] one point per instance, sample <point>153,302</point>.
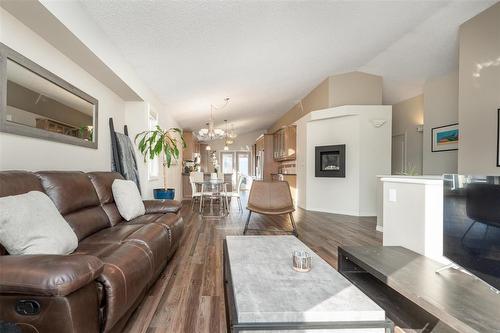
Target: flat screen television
<point>471,225</point>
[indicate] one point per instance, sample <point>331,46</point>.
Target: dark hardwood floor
<point>189,295</point>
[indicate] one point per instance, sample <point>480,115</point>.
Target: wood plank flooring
<point>189,295</point>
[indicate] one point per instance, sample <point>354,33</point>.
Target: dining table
<point>214,189</point>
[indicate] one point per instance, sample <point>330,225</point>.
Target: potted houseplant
<point>165,144</point>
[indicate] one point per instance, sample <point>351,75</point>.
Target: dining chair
<point>195,194</point>
<point>235,194</point>
<point>195,178</point>
<point>271,198</point>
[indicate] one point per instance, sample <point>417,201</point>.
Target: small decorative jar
<point>301,261</point>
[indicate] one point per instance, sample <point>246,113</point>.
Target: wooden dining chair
<point>270,198</point>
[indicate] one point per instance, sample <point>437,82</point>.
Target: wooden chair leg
<point>296,234</point>
<point>201,203</point>
<point>248,221</point>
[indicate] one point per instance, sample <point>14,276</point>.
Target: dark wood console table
<point>406,286</point>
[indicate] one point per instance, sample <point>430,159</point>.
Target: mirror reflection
<point>36,102</point>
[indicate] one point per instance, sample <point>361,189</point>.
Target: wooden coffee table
<point>264,293</point>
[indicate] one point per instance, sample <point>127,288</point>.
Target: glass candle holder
<point>301,261</point>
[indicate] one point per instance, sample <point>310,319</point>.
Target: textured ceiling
<point>266,55</point>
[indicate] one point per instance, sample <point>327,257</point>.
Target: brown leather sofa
<point>96,288</point>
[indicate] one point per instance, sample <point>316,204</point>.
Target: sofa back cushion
<point>76,199</point>
<point>18,182</point>
<point>102,182</point>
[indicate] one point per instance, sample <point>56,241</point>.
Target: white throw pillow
<point>128,199</point>
<point>31,224</point>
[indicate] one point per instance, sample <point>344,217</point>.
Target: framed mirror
<point>37,103</point>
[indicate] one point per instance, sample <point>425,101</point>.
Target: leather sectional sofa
<point>96,288</point>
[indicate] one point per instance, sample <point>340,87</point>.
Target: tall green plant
<point>162,143</point>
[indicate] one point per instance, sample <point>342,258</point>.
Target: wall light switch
<point>392,195</point>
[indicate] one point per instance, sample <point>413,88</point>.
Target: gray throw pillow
<point>128,199</point>
<point>31,224</point>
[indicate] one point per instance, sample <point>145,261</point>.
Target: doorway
<point>398,162</point>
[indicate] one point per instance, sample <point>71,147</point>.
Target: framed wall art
<point>444,138</point>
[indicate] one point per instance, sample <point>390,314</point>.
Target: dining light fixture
<point>211,133</point>
<point>227,140</point>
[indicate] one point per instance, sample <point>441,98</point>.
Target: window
<point>154,164</point>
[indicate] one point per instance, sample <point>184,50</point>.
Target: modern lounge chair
<point>271,198</point>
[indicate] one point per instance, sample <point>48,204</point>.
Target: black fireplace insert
<point>330,161</point>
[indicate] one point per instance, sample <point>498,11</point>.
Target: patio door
<point>243,167</point>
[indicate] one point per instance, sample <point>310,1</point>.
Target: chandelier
<point>227,139</point>
<point>211,133</point>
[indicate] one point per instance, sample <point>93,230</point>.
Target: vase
<point>161,193</point>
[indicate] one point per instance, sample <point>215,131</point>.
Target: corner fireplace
<point>330,161</point>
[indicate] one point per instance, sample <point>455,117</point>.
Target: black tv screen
<point>471,223</point>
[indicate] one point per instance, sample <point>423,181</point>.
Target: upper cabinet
<point>285,143</point>
<point>192,146</point>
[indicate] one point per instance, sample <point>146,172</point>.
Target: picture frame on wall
<point>444,138</point>
<point>498,137</point>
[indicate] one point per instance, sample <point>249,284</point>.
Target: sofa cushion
<point>128,199</point>
<point>102,182</point>
<point>155,239</point>
<point>126,275</point>
<point>75,197</point>
<point>18,182</point>
<point>145,219</point>
<point>162,206</point>
<point>31,224</point>
<point>111,235</point>
<point>70,191</point>
<point>174,225</point>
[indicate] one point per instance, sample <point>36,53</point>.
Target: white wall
<point>18,152</point>
<point>338,195</point>
<point>479,93</point>
<point>440,108</point>
<point>136,116</point>
<point>368,151</point>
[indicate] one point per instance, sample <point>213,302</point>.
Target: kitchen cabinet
<point>192,146</point>
<point>285,143</point>
<point>265,163</point>
<point>292,182</point>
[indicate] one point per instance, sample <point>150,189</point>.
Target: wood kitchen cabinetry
<point>285,143</point>
<point>192,146</point>
<point>264,157</point>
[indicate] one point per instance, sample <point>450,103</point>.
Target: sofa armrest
<point>162,206</point>
<point>47,275</point>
